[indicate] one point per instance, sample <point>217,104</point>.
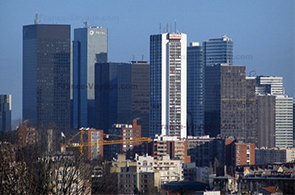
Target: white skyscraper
<point>284,121</point>
<point>168,70</point>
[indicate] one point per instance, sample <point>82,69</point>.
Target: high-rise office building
<point>134,94</point>
<point>168,70</point>
<point>195,90</point>
<point>251,115</point>
<point>218,51</point>
<point>283,109</point>
<point>5,113</point>
<point>90,46</point>
<point>284,121</point>
<point>266,120</point>
<point>106,94</point>
<point>230,103</point>
<point>46,75</point>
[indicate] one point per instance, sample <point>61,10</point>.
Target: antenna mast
<point>167,28</point>
<point>37,21</point>
<point>86,24</point>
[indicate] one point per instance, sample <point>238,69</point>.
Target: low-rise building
<point>27,135</point>
<point>170,145</point>
<point>168,170</point>
<point>272,155</point>
<point>244,153</point>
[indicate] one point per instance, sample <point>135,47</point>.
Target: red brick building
<point>27,136</point>
<point>130,132</point>
<point>94,150</point>
<point>244,154</point>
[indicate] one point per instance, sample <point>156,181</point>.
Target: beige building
<point>145,173</point>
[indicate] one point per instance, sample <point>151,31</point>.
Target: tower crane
<point>81,143</point>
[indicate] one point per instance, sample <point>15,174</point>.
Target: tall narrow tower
<point>168,71</point>
<point>90,47</point>
<point>46,75</point>
<point>195,90</point>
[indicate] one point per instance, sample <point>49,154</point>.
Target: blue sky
<point>262,31</point>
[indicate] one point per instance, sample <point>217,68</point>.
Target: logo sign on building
<point>174,36</point>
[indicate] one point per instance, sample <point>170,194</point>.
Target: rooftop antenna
<point>86,24</point>
<point>167,28</point>
<point>171,27</point>
<point>160,28</point>
<point>133,58</point>
<point>37,21</point>
<point>142,57</point>
<point>175,26</point>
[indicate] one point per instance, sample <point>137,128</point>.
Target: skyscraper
<point>168,72</point>
<point>46,75</point>
<point>195,90</point>
<point>284,121</point>
<point>230,106</point>
<point>90,46</point>
<point>266,120</point>
<point>5,113</point>
<point>283,109</point>
<point>134,94</point>
<point>218,51</point>
<point>106,94</point>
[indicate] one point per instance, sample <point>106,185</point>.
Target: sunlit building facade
<point>168,75</point>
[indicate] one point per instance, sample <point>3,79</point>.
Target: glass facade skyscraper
<point>134,94</point>
<point>106,94</point>
<point>218,51</point>
<point>195,90</point>
<point>46,75</point>
<point>168,70</point>
<point>90,46</point>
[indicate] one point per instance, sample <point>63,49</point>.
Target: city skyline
<point>257,44</point>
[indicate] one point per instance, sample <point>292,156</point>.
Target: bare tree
<point>29,171</point>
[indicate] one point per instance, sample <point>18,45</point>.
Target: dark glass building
<point>195,90</point>
<point>218,51</point>
<point>134,94</point>
<point>122,94</point>
<point>106,95</point>
<point>90,46</point>
<point>5,113</point>
<point>46,75</point>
